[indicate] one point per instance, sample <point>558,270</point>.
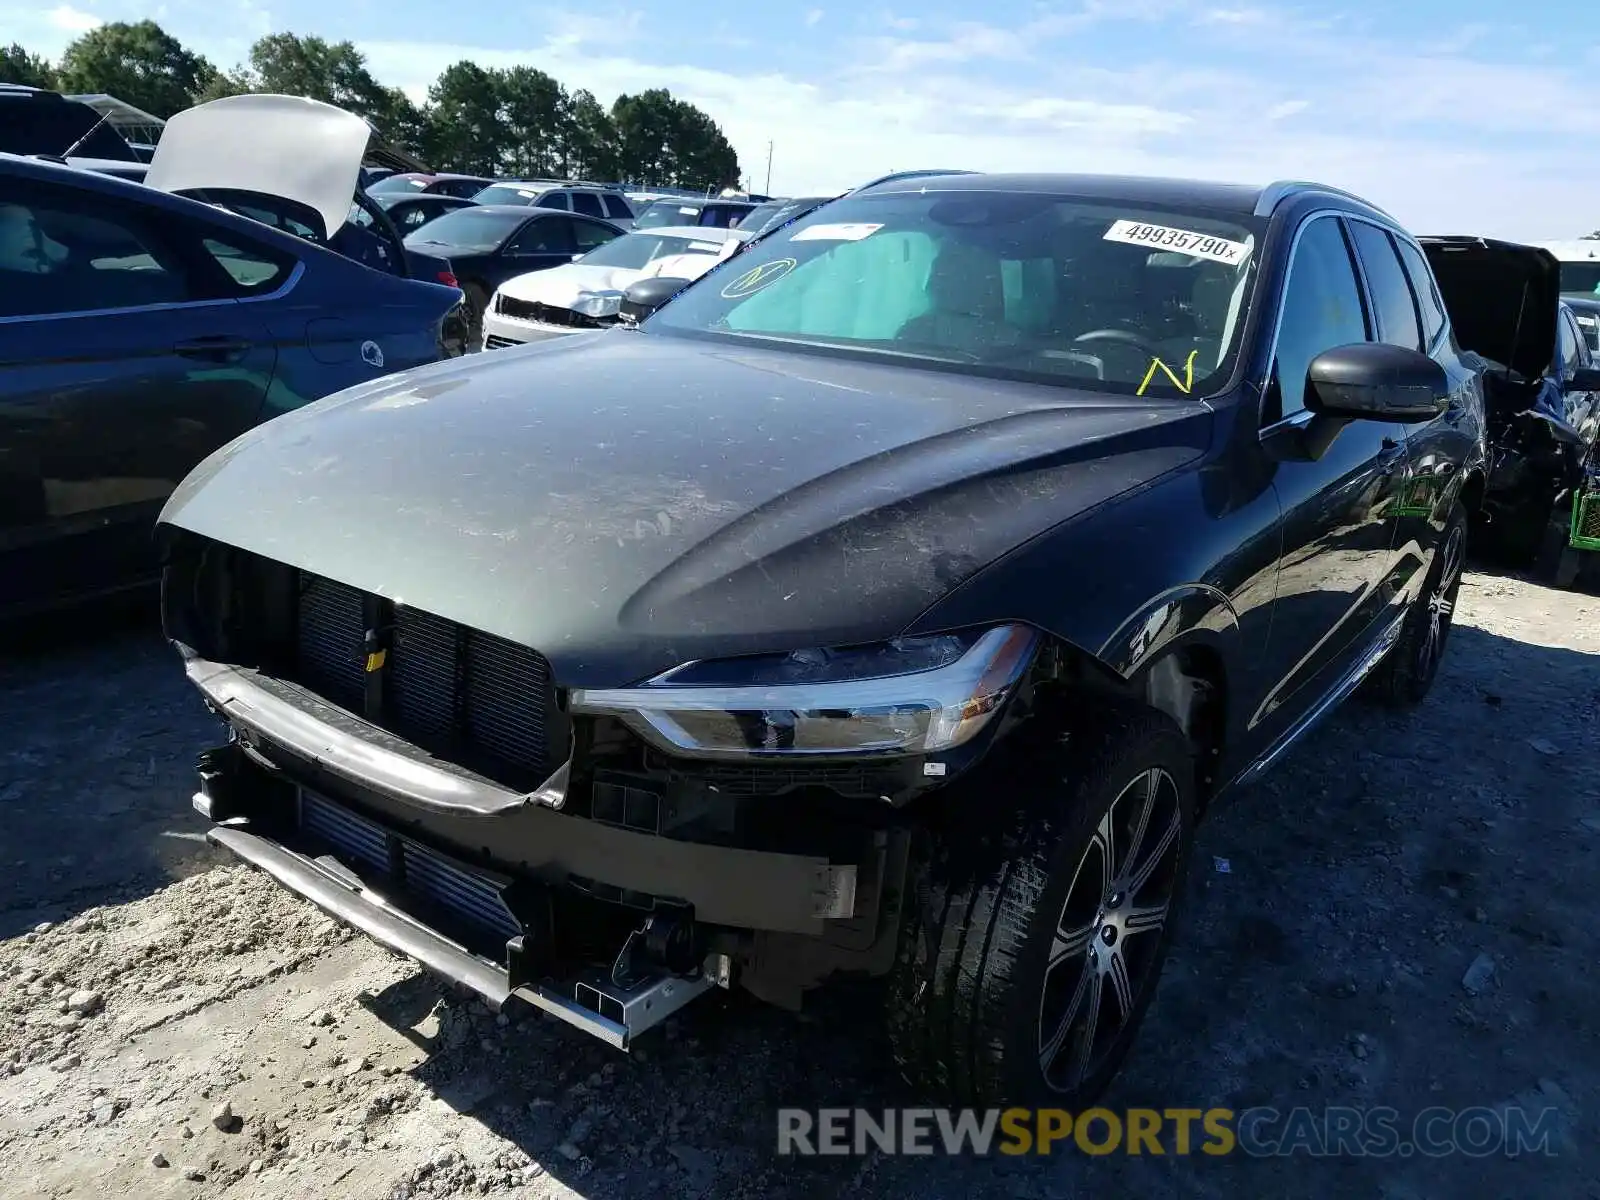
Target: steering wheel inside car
<point>1122,336</point>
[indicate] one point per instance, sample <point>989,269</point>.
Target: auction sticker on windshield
<point>835,233</point>
<point>1183,241</point>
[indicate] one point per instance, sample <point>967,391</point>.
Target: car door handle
<point>219,348</point>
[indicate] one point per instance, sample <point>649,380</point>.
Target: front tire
<point>1406,674</point>
<point>1030,952</point>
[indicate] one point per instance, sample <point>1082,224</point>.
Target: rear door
<point>1409,312</point>
<point>126,356</point>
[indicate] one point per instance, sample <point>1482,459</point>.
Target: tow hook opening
<point>659,969</point>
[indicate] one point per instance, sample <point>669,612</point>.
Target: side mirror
<point>644,296</point>
<point>1374,382</point>
<point>1585,379</point>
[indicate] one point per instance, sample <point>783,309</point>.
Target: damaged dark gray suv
<point>891,601</point>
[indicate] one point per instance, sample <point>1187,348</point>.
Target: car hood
<point>288,146</point>
<point>560,286</point>
<point>689,266</point>
<point>1501,297</point>
<point>623,501</point>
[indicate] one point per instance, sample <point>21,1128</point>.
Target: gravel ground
<point>173,1024</point>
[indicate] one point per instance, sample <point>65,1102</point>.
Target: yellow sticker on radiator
<point>375,660</point>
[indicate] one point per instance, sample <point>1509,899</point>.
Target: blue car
<point>142,330</point>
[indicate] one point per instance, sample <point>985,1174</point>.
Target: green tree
<point>236,82</point>
<point>336,73</point>
<point>19,65</point>
<point>141,64</point>
<point>463,130</point>
<point>660,139</point>
<point>587,145</point>
<point>533,107</point>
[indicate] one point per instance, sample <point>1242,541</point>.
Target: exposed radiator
<point>459,693</point>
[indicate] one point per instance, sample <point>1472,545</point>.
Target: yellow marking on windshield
<point>1184,385</point>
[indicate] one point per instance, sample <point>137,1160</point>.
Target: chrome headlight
<point>598,304</point>
<point>908,696</point>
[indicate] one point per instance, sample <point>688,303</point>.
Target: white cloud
<point>814,15</point>
<point>1461,131</point>
<point>72,20</point>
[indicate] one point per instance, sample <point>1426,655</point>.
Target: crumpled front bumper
<point>412,851</point>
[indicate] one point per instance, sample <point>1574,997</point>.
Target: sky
<point>1472,116</point>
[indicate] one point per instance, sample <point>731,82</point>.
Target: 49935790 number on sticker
<point>1184,241</point>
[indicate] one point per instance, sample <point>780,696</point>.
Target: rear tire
<point>1406,674</point>
<point>1068,900</point>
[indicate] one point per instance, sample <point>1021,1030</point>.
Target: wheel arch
<point>1173,656</point>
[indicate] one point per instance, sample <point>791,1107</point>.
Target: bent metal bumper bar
<point>311,741</point>
<point>598,1007</point>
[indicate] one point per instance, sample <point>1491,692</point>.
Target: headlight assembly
<point>909,696</point>
<point>598,304</point>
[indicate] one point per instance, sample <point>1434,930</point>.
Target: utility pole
<point>769,169</point>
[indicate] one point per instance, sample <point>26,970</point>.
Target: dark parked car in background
<point>891,601</point>
<point>411,213</point>
<point>139,331</point>
<point>1542,390</point>
<point>605,203</point>
<point>34,121</point>
<point>773,213</point>
<point>724,214</point>
<point>488,244</point>
<point>416,183</point>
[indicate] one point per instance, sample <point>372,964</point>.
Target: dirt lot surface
<point>146,983</point>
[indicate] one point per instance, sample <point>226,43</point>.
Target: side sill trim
<point>1352,679</point>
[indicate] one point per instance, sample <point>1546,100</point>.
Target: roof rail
<point>921,173</point>
<point>1275,194</point>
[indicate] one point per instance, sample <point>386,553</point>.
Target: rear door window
<point>1426,290</point>
<point>617,208</point>
<point>588,204</point>
<point>1394,305</point>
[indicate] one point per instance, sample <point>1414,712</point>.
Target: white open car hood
<point>286,146</point>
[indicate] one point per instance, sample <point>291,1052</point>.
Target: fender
<point>1192,613</point>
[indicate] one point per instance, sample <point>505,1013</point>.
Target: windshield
<point>508,193</point>
<point>476,230</point>
<point>1114,296</point>
<point>1581,278</point>
<point>635,251</point>
<point>668,212</point>
<point>397,183</point>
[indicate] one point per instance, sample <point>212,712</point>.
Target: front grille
<point>469,897</point>
<point>545,314</point>
<point>461,694</point>
<point>494,341</point>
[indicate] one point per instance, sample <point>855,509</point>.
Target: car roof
<point>420,198</point>
<point>1225,197</point>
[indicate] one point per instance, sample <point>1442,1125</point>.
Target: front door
<point>1338,498</point>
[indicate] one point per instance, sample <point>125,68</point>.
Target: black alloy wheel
<point>1034,935</point>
